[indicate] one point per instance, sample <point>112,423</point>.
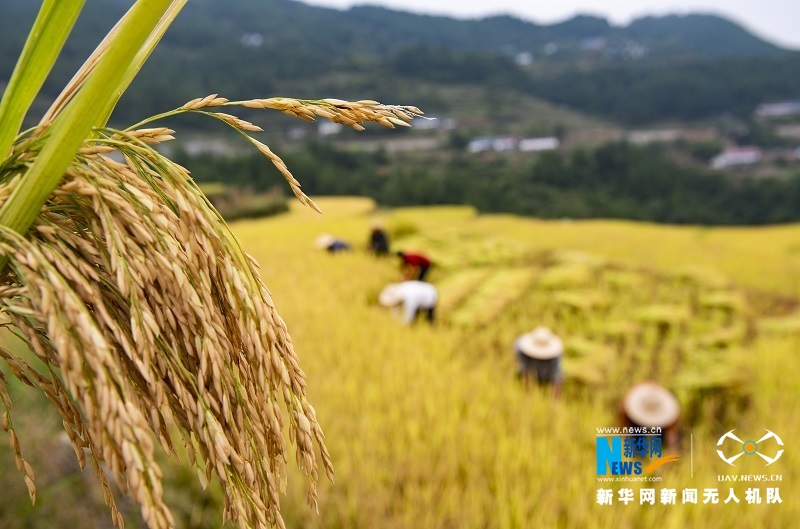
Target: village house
<point>736,156</point>
<point>777,110</point>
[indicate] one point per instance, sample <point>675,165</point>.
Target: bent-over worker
<point>331,244</point>
<point>414,264</point>
<point>414,296</point>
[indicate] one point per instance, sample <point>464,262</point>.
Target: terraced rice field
<point>428,426</point>
<point>621,324</point>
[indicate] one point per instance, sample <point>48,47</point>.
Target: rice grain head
<point>147,313</point>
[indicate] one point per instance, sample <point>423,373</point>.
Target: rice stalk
<point>146,314</point>
<point>149,319</point>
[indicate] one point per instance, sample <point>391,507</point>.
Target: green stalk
<point>74,124</point>
<point>50,30</point>
<point>81,75</point>
<point>143,54</point>
<point>133,69</point>
<point>163,115</point>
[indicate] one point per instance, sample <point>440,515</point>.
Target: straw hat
<point>324,240</point>
<point>540,344</point>
<point>649,404</point>
<point>390,295</point>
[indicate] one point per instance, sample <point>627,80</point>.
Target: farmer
<point>539,354</point>
<point>414,264</point>
<point>650,405</point>
<point>414,296</point>
<point>378,240</point>
<point>331,244</point>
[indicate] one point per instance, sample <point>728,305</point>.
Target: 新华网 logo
<point>738,448</point>
<point>627,455</point>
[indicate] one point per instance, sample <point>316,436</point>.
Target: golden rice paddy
<point>427,425</point>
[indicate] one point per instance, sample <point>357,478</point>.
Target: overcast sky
<point>775,20</point>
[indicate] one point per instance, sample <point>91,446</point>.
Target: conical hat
<point>650,404</point>
<point>540,344</point>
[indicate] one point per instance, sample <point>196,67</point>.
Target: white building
<point>736,156</point>
<point>539,144</point>
<point>504,143</point>
<point>776,110</point>
<point>644,137</point>
<point>481,144</point>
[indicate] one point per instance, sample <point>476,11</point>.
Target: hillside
<point>251,47</point>
<point>690,82</point>
<point>615,180</point>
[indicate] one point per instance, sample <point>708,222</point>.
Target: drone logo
<point>750,447</point>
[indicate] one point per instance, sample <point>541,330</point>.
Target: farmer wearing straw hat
<point>414,296</point>
<point>331,244</point>
<point>651,405</point>
<point>539,352</point>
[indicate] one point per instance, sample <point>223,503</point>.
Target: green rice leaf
<point>50,30</point>
<point>74,124</point>
<point>143,55</point>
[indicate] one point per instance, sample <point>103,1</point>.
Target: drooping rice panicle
<point>131,259</point>
<point>352,114</point>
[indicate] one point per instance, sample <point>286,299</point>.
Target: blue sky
<point>777,21</point>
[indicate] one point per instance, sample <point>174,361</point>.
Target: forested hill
<point>245,47</point>
<point>294,26</point>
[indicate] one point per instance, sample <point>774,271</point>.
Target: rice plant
<point>148,322</point>
<point>454,289</point>
<point>489,299</point>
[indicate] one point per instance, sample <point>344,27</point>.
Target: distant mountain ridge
<point>378,30</point>
<point>692,35</point>
<point>242,47</point>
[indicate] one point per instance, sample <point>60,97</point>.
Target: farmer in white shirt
<point>414,296</point>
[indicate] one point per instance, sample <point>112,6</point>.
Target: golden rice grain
<point>146,252</point>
